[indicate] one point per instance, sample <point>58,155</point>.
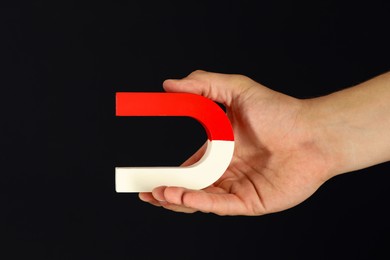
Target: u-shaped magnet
<point>207,170</point>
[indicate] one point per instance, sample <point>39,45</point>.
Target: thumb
<point>221,88</point>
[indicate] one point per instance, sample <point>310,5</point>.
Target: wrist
<point>327,129</point>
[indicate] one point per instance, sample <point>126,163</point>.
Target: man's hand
<point>279,160</point>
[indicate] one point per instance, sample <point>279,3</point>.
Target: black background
<point>63,61</point>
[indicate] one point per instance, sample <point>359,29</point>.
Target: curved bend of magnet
<point>207,170</point>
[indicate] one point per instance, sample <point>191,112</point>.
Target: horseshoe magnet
<point>207,170</point>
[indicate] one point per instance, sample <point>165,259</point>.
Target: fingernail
<point>158,194</point>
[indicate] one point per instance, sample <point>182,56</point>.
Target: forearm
<point>355,124</point>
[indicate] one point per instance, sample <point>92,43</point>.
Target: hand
<point>278,161</point>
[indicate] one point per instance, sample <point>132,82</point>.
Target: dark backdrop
<point>63,61</point>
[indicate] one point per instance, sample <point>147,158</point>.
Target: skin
<point>285,148</point>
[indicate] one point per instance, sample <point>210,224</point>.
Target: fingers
<point>161,202</point>
<point>148,197</point>
<point>211,199</point>
<point>219,87</point>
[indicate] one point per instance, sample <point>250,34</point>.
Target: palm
<point>273,162</point>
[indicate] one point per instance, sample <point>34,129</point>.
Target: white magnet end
<point>197,176</point>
